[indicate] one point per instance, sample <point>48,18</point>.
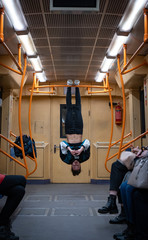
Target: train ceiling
<point>72,44</point>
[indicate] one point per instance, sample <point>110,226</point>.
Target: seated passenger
<point>136,209</point>
<point>74,151</point>
<point>118,171</point>
<point>14,188</point>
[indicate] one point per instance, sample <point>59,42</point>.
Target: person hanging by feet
<point>118,170</point>
<point>74,151</point>
<point>13,187</point>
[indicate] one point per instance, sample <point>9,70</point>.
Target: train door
<point>61,172</point>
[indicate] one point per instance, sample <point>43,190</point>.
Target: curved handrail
<point>124,71</point>
<point>112,122</point>
<point>30,132</point>
<point>124,106</point>
<point>19,114</point>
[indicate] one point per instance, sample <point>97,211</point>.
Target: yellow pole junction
<point>17,63</point>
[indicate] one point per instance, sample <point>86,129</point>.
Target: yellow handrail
<point>30,133</point>
<point>124,71</point>
<point>124,105</point>
<point>112,122</point>
<point>18,64</point>
<point>21,72</point>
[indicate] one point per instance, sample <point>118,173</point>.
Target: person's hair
<point>75,172</point>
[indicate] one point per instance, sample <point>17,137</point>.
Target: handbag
<point>139,175</point>
<point>127,158</point>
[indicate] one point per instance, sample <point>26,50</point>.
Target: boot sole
<point>110,212</point>
<point>117,222</point>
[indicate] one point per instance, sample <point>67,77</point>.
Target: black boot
<point>121,218</point>
<point>127,234</point>
<point>6,234</point>
<point>121,234</point>
<point>110,206</point>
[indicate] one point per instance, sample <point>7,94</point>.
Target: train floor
<point>63,211</point>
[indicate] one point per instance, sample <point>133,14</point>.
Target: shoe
<point>124,233</point>
<point>126,238</point>
<point>69,82</point>
<point>6,234</point>
<point>120,219</point>
<point>76,82</point>
<point>127,234</point>
<point>110,206</point>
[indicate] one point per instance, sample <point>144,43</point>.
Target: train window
<point>63,110</point>
<point>142,111</point>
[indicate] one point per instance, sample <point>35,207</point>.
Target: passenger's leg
<point>118,171</point>
<point>14,188</point>
<point>69,126</point>
<point>68,97</point>
<point>78,115</point>
<point>126,194</point>
<point>140,201</point>
<point>78,97</point>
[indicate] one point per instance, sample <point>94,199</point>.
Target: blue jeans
<point>74,121</point>
<point>127,199</point>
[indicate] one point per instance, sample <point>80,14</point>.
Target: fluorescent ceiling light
<point>106,64</point>
<point>41,76</point>
<point>36,63</point>
<point>131,15</point>
<point>116,45</point>
<point>28,44</point>
<point>15,14</point>
<point>99,77</point>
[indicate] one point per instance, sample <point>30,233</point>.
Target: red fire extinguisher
<point>118,114</point>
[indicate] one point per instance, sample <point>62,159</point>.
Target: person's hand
<point>137,151</point>
<point>78,152</point>
<point>73,152</point>
<point>143,154</point>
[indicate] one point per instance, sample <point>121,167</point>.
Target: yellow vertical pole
<point>30,133</point>
<point>19,55</point>
<point>1,24</point>
<point>37,84</point>
<point>19,114</point>
<point>145,25</point>
<point>112,121</point>
<point>124,52</point>
<point>104,83</point>
<point>124,106</point>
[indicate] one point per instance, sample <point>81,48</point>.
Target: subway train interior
<point>99,47</point>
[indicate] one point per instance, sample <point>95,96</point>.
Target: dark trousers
<point>140,202</point>
<point>118,171</point>
<point>74,121</point>
<point>14,188</point>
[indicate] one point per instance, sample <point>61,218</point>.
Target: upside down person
<point>74,151</point>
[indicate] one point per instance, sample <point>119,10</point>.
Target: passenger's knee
<point>22,180</point>
<point>19,191</point>
<point>114,166</point>
<point>123,186</point>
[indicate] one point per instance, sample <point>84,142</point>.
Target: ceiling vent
<point>74,5</point>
